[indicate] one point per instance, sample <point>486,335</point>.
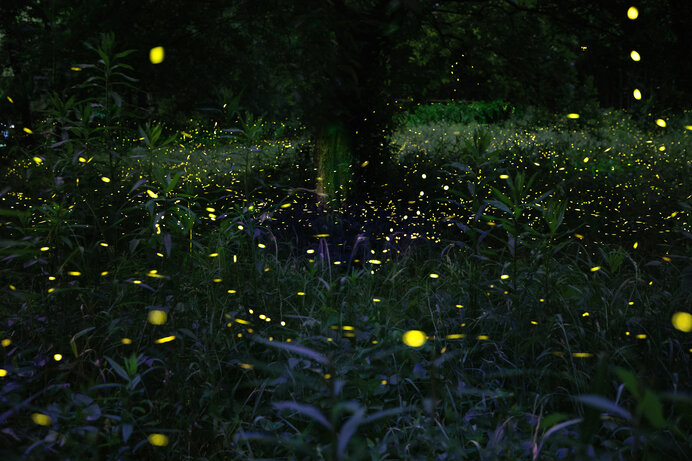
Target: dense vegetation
<point>280,270</point>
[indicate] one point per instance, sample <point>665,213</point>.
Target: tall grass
<point>216,313</point>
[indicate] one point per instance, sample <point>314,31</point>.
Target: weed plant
<point>193,303</point>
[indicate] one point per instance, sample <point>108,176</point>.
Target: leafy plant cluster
<point>192,325</point>
<point>463,112</point>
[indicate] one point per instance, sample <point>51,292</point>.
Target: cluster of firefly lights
<point>412,338</point>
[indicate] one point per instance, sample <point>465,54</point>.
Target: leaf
<point>316,356</point>
<point>118,369</point>
<point>306,410</point>
<point>601,403</point>
<point>629,381</point>
<point>73,343</point>
<point>651,407</point>
<point>126,430</point>
<point>167,243</point>
<point>347,431</point>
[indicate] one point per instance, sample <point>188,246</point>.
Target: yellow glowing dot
<point>126,341</point>
<point>631,303</point>
<point>573,116</point>
<point>3,372</point>
<point>75,68</point>
<point>261,245</point>
<point>157,317</point>
<point>682,321</point>
<point>213,255</point>
<point>434,276</point>
<point>310,251</point>
<point>104,273</point>
<point>152,194</point>
<point>246,366</point>
<point>383,382</point>
<point>641,336</point>
<point>414,338</point>
<point>504,176</point>
<point>50,290</point>
<point>364,164</point>
<point>45,248</point>
<point>158,440</point>
<point>103,244</point>
<point>41,419</point>
<point>504,276</point>
<point>586,159</point>
<point>688,127</point>
<point>6,342</point>
<point>632,13</point>
<point>74,273</point>
<point>579,236</point>
<point>581,355</point>
<point>105,179</point>
<point>241,321</point>
<point>635,57</point>
<point>374,261</point>
<point>637,94</point>
<point>38,160</point>
<point>27,130</point>
<point>137,282</point>
<point>585,314</point>
<point>376,300</point>
<point>165,339</point>
<point>327,376</point>
<point>156,55</point>
<point>541,300</point>
<point>217,280</point>
<point>81,159</point>
<point>285,205</point>
<point>666,259</point>
<point>283,324</point>
<point>459,306</point>
<point>483,337</point>
<point>636,244</point>
<point>12,287</point>
<point>455,336</point>
<point>660,122</point>
<point>595,268</point>
<point>57,357</point>
<point>10,100</point>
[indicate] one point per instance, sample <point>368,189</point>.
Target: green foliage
<point>460,112</point>
<point>525,300</point>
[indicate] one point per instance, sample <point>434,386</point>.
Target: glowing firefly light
<point>635,56</point>
<point>660,122</point>
<point>637,94</point>
<point>414,338</point>
<point>105,179</point>
<point>682,321</point>
<point>157,317</point>
<point>158,440</point>
<point>632,13</point>
<point>165,339</point>
<point>41,419</point>
<point>156,55</point>
<point>573,116</point>
<point>27,130</point>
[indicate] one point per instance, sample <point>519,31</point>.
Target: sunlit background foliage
<point>345,230</point>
